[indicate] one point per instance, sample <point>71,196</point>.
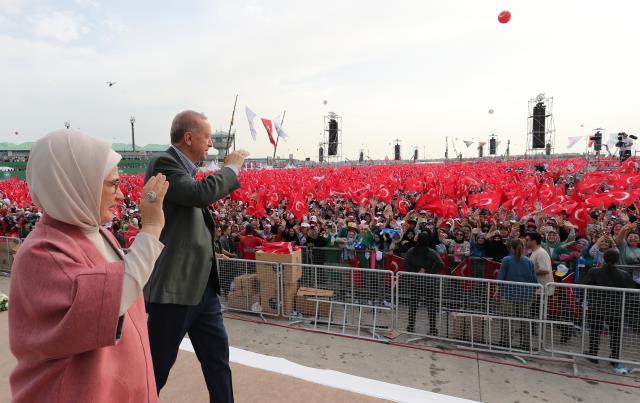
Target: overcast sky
<point>411,70</point>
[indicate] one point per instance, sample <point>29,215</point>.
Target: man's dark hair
<point>611,258</point>
<point>424,239</point>
<point>534,236</point>
<point>185,121</point>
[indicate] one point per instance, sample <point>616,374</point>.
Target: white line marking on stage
<point>333,379</point>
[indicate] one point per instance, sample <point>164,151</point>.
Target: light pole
<point>67,124</point>
<point>133,133</point>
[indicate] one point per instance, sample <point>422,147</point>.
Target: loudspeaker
<point>547,149</point>
<point>333,137</point>
<point>396,152</point>
<point>415,155</point>
<point>480,149</point>
<point>597,141</point>
<point>361,157</point>
<point>539,118</point>
<point>492,146</point>
<point>321,154</point>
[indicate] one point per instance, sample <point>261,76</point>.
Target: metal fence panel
<point>597,323</point>
<point>250,286</point>
<point>489,314</point>
<point>327,256</point>
<point>343,299</point>
<point>8,249</point>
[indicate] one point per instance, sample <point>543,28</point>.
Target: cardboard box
<point>242,301</point>
<point>269,298</point>
<point>461,324</point>
<point>290,274</point>
<point>246,285</point>
<point>307,307</point>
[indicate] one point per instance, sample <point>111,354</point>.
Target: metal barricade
<point>597,323</point>
<point>326,256</point>
<point>341,300</point>
<point>490,315</point>
<point>250,286</point>
<point>628,268</point>
<point>8,249</point>
<point>306,255</point>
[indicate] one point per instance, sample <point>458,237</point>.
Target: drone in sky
<point>111,83</point>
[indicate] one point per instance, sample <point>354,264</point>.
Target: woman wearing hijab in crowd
<point>77,324</point>
<point>553,244</point>
<point>458,247</point>
<point>600,247</point>
<point>406,243</point>
<point>628,241</point>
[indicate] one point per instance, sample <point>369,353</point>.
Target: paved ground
<point>437,370</point>
<point>440,370</point>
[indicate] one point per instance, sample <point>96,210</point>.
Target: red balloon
<point>504,17</point>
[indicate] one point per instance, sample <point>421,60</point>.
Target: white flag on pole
<point>250,116</point>
<point>573,140</point>
<point>279,130</point>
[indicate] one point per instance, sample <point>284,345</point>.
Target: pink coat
<point>63,322</point>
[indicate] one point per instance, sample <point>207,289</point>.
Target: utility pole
<point>133,133</point>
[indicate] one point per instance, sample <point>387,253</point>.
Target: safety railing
<point>488,314</point>
<point>8,249</point>
<point>250,286</point>
<point>341,300</point>
<point>559,321</point>
<point>597,323</point>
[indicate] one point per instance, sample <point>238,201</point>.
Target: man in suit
<point>182,292</point>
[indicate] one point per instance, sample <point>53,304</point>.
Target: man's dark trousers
<point>203,323</point>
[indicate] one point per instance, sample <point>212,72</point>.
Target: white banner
<point>573,140</point>
<point>250,116</point>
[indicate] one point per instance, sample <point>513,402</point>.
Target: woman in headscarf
<point>77,324</point>
<point>407,242</point>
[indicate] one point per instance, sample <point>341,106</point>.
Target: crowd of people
<point>534,219</point>
<point>391,227</point>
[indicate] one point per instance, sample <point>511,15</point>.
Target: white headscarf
<point>65,174</point>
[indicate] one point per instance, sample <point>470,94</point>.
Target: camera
<point>621,139</point>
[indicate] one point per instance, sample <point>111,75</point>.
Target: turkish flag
<point>298,207</point>
<point>491,269</point>
<point>546,192</point>
<point>273,200</point>
<point>268,125</point>
<point>598,200</point>
<point>384,194</point>
<point>580,217</point>
<point>401,206</point>
<point>393,263</point>
<point>625,198</point>
<point>425,200</point>
<point>130,236</point>
<point>464,210</point>
<point>487,200</point>
<point>464,269</point>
